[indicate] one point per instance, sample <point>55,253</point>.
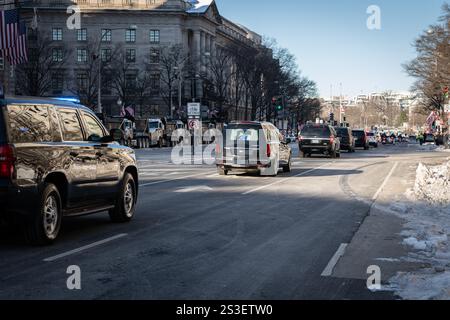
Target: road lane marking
<point>377,194</point>
<point>194,188</point>
<point>89,246</point>
<point>283,180</point>
<point>174,179</point>
<point>328,271</point>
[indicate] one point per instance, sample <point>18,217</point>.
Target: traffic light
<point>277,103</point>
<point>332,117</point>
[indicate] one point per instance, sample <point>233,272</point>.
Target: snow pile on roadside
<point>427,233</point>
<point>432,147</point>
<point>433,184</point>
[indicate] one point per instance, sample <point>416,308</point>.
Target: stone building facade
<point>142,27</point>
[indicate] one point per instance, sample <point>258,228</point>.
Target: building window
<point>130,80</point>
<point>57,82</point>
<point>154,36</point>
<point>130,35</point>
<point>57,54</point>
<point>81,55</point>
<point>33,54</point>
<point>57,34</point>
<point>154,55</point>
<point>106,55</point>
<point>130,55</point>
<point>82,81</point>
<point>107,83</point>
<point>155,83</point>
<point>106,35</point>
<point>32,34</point>
<point>82,34</point>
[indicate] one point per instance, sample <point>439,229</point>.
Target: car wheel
<point>44,226</point>
<point>288,167</point>
<point>222,172</point>
<point>126,202</point>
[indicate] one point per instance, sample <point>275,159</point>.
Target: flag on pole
<point>18,54</point>
<point>9,28</point>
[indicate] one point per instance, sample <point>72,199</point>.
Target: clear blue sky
<point>332,42</point>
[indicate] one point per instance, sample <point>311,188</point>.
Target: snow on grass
<point>427,233</point>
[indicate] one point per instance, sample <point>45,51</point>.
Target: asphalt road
<point>198,235</point>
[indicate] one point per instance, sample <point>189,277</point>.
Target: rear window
<point>342,132</point>
<point>2,127</point>
<point>358,133</point>
<point>313,131</point>
<point>243,132</point>
<point>29,123</point>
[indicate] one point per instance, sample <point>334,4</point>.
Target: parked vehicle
<point>58,160</point>
<point>361,140</point>
<point>253,146</point>
<point>429,138</point>
<point>373,142</point>
<point>346,137</point>
<point>319,139</point>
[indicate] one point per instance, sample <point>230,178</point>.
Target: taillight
<point>6,161</point>
<point>268,151</point>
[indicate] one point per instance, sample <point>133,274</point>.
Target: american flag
<point>18,54</point>
<point>9,28</point>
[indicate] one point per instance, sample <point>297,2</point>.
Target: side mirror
<point>116,134</point>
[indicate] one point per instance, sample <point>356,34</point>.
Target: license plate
<point>315,141</point>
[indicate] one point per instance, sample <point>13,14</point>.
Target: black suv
<point>57,159</point>
<point>347,139</point>
<point>319,139</point>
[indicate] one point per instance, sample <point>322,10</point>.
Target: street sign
<point>193,109</point>
<point>194,124</point>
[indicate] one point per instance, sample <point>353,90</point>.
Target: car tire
<point>125,206</point>
<point>222,172</point>
<point>44,226</point>
<point>288,167</point>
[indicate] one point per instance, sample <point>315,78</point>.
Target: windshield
<point>313,131</point>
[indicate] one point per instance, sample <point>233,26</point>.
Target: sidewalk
<point>382,241</point>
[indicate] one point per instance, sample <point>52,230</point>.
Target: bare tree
<point>172,66</point>
<point>431,67</point>
<point>218,79</point>
<point>34,78</point>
